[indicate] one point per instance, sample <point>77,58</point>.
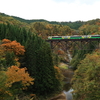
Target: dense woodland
<point>28,67</point>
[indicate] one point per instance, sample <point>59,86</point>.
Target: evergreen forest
<point>29,69</point>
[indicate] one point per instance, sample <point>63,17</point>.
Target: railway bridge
<point>85,42</point>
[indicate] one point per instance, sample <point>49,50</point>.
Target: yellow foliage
<point>16,74</point>
<point>58,73</point>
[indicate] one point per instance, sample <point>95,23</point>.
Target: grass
<point>63,66</point>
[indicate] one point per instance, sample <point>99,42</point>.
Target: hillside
<point>9,19</point>
<point>91,27</point>
<point>73,25</point>
<point>24,22</point>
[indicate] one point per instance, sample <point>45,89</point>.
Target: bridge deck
<point>91,39</point>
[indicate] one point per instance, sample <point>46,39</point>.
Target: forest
<point>29,69</point>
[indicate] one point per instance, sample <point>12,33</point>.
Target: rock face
<point>61,96</point>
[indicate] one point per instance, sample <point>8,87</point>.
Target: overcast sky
<point>52,10</point>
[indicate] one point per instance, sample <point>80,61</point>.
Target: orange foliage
<point>60,52</point>
<point>98,23</point>
<point>14,46</point>
<point>16,74</point>
<point>58,73</point>
<point>93,33</point>
<point>6,41</point>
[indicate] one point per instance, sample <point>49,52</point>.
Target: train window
<point>49,37</point>
<point>75,36</point>
<point>96,36</point>
<point>56,37</point>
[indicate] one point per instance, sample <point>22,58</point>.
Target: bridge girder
<point>77,44</point>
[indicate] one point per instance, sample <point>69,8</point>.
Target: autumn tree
<point>14,46</point>
<point>59,74</point>
<point>16,74</point>
<point>10,51</point>
<point>4,91</point>
<point>44,29</point>
<point>13,81</point>
<point>86,80</point>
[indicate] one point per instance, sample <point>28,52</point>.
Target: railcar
<point>95,36</point>
<point>75,37</point>
<point>55,37</point>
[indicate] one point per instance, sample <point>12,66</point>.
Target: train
<point>75,37</point>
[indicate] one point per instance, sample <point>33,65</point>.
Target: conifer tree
<point>2,31</point>
<point>40,66</point>
<point>10,59</point>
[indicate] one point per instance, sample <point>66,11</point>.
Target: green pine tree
<point>10,59</point>
<point>40,66</point>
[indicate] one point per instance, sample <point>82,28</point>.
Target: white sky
<point>52,10</point>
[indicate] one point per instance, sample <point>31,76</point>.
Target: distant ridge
<point>73,25</point>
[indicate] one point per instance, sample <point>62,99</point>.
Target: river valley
<point>68,74</point>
